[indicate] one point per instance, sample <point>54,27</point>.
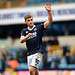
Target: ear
<point>25,22</point>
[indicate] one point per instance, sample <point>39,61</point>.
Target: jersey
<point>34,43</point>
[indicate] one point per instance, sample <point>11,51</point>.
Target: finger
<point>48,4</point>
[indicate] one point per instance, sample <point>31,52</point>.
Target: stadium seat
<point>22,66</point>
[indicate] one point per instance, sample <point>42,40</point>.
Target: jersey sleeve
<point>23,32</point>
<point>42,26</point>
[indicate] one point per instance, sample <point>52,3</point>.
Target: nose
<point>31,21</point>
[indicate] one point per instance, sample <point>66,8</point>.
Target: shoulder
<point>24,29</point>
<point>23,32</point>
<point>40,25</point>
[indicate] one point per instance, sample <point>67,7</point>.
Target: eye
<point>31,19</point>
<point>28,20</point>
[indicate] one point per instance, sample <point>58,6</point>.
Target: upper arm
<point>23,32</point>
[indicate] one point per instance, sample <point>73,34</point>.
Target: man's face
<point>29,22</point>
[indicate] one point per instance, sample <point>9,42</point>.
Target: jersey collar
<point>31,28</point>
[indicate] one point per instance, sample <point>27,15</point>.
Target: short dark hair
<point>27,16</point>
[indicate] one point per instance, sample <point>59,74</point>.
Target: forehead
<point>29,18</point>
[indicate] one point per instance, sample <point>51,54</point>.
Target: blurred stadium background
<point>58,39</point>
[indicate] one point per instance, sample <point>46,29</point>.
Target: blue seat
<point>63,64</point>
<point>71,66</point>
<point>22,66</point>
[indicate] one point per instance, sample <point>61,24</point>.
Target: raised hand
<point>48,7</point>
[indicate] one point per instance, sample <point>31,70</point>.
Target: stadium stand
<point>23,3</point>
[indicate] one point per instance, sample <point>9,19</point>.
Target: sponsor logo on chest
<point>34,33</point>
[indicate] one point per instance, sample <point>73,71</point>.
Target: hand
<point>48,7</point>
<point>29,34</point>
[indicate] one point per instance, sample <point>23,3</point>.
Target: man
<point>32,35</point>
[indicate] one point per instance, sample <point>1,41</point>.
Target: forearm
<point>49,16</point>
<point>49,21</point>
<point>24,38</point>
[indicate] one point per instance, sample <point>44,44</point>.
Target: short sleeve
<point>23,32</point>
<point>42,26</point>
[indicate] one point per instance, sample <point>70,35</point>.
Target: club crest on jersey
<point>26,32</point>
<point>33,35</point>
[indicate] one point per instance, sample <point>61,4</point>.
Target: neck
<point>31,27</point>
